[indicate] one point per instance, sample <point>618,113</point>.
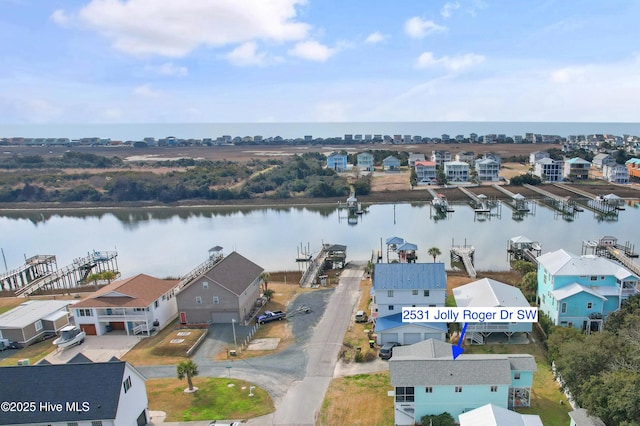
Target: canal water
<point>169,242</point>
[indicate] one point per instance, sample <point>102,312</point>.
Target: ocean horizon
<point>138,131</point>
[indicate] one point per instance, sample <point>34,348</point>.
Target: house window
<point>563,308</point>
<point>458,389</point>
<point>602,277</point>
<point>389,293</point>
<point>428,389</point>
<point>198,300</point>
<point>72,424</point>
<point>426,293</point>
<point>156,303</point>
<point>138,309</point>
<point>494,389</point>
<point>216,300</point>
<point>38,325</point>
<point>96,422</point>
<point>205,284</point>
<point>404,394</point>
<point>127,384</point>
<point>414,292</point>
<point>593,278</point>
<point>516,376</point>
<point>164,297</point>
<point>589,305</point>
<point>84,312</point>
<point>391,307</point>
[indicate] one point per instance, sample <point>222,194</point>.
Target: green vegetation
<point>434,252</point>
<point>187,369</point>
<point>216,399</point>
<point>444,419</point>
<point>525,178</point>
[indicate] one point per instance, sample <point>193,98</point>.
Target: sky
<point>155,61</point>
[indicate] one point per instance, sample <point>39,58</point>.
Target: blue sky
<point>120,61</point>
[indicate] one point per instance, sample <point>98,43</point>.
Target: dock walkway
<point>624,259</point>
<point>465,253</point>
<point>309,276</point>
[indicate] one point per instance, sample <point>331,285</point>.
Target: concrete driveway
<point>220,336</point>
<point>96,348</point>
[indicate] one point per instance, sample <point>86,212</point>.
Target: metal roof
<point>573,289</point>
<point>489,293</point>
<point>492,415</point>
<point>409,276</point>
<point>31,311</point>
<point>562,262</point>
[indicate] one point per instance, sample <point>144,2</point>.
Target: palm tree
<point>187,369</point>
<point>434,252</point>
<point>265,281</point>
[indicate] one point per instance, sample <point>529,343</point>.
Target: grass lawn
<point>546,394</point>
<point>358,400</point>
<point>357,335</point>
<point>8,303</point>
<point>158,349</point>
<point>215,399</point>
<point>34,353</point>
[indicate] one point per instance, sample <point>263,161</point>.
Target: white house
<point>81,394</point>
<point>615,173</point>
<point>135,305</point>
<point>440,156</point>
<point>488,293</point>
<point>548,170</point>
<point>456,171</point>
<point>492,415</point>
<point>466,156</point>
<point>536,156</point>
<point>603,159</point>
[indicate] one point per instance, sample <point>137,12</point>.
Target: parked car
<point>386,351</point>
<point>361,316</point>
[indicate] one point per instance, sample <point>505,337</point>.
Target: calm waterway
<point>169,242</point>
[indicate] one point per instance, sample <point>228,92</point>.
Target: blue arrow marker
<point>457,350</point>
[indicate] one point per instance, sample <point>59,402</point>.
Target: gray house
<point>27,323</point>
<point>391,164</point>
<point>227,291</point>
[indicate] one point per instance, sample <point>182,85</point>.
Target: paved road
<point>298,377</point>
<point>302,403</point>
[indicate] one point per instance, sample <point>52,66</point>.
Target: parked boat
<point>71,335</point>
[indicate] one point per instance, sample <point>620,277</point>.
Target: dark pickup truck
<point>269,316</point>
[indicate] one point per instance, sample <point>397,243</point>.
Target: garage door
<point>389,337</point>
<point>117,326</point>
<point>411,338</point>
<point>90,329</point>
<point>223,317</point>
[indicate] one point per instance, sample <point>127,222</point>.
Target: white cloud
<point>376,37</point>
<point>451,63</point>
<point>448,9</point>
<point>169,69</point>
<point>175,28</point>
<point>335,111</point>
<point>568,75</point>
<point>246,55</point>
<point>312,51</point>
<point>60,17</point>
<point>146,91</point>
<point>417,27</point>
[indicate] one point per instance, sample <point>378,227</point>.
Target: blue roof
<point>407,246</point>
<point>409,276</point>
<point>96,383</point>
<point>393,321</point>
<point>394,240</point>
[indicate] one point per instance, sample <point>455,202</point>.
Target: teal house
<point>580,291</point>
<point>365,161</point>
<point>428,381</point>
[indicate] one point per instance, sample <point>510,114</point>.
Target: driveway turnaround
<point>302,402</point>
<point>96,348</point>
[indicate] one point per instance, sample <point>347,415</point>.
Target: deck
<point>465,254</point>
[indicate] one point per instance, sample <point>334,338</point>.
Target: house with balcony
<point>488,170</point>
<point>90,393</point>
<point>488,293</point>
<point>426,172</point>
<point>337,161</point>
<point>135,305</point>
<point>428,381</point>
<point>615,173</point>
<point>466,156</point>
<point>224,292</point>
<point>548,169</point>
<point>391,164</point>
<point>365,161</point>
<point>456,171</point>
<point>580,291</point>
<point>536,156</point>
<point>440,156</point>
<point>576,169</point>
<point>602,159</point>
<point>396,285</point>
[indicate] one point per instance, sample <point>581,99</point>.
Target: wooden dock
<point>520,203</point>
<point>621,257</point>
<point>465,254</point>
<point>595,202</point>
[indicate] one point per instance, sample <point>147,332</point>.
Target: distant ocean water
<point>137,131</point>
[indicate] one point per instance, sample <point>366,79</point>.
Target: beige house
<point>29,322</point>
<point>226,291</point>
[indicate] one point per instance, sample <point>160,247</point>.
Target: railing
<point>198,270</point>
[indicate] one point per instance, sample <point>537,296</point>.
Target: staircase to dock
<point>624,259</point>
<point>465,253</point>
